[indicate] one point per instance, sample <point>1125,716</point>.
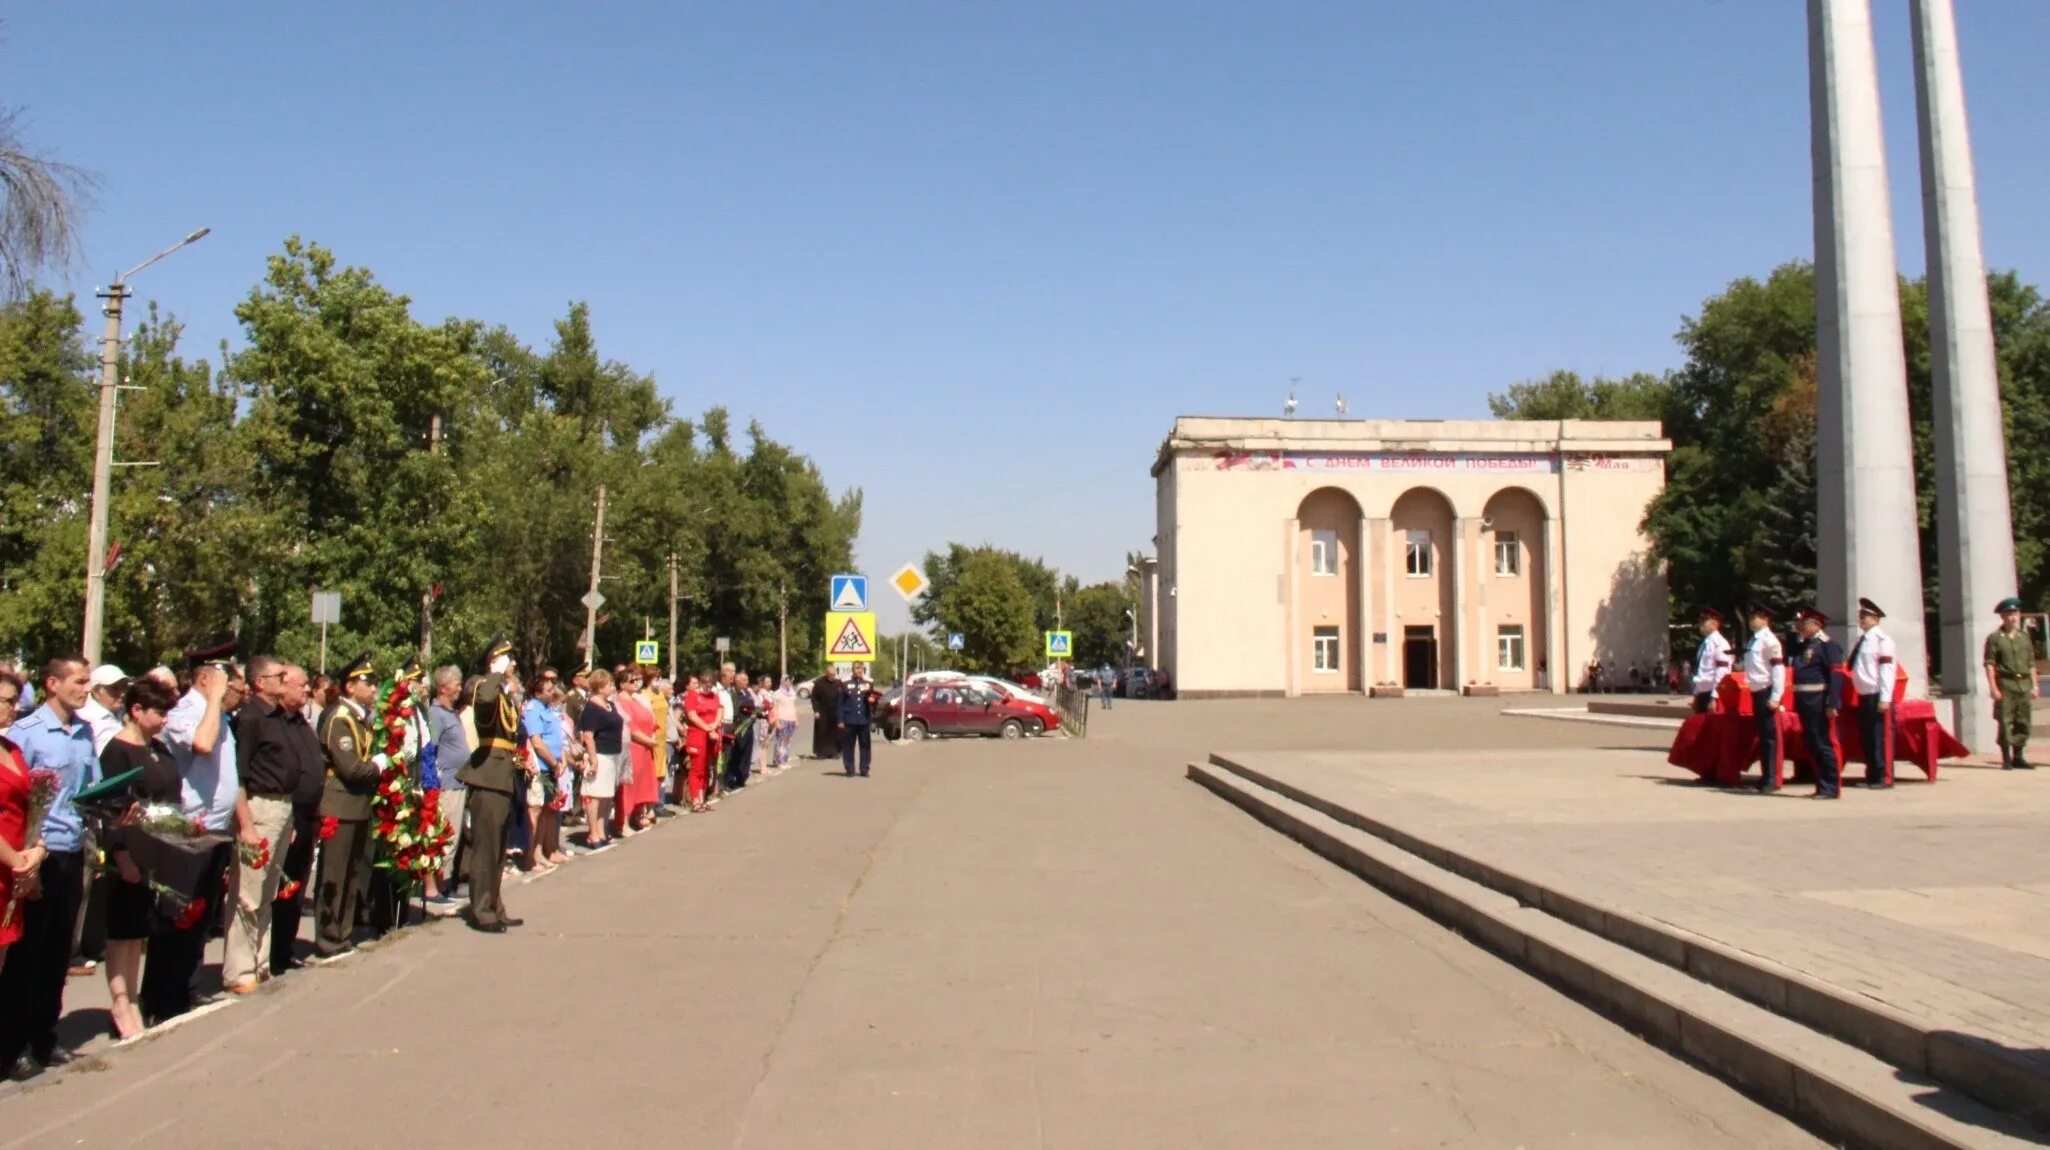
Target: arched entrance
<point>1421,552</point>
<point>1328,648</point>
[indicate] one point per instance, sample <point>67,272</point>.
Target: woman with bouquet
<point>131,899</point>
<point>21,863</point>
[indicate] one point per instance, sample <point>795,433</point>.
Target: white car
<point>1003,687</point>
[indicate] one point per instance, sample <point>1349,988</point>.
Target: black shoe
<point>1826,795</point>
<point>58,1056</point>
<point>24,1068</point>
<point>513,921</point>
<point>489,927</point>
<point>2021,764</point>
<point>849,774</point>
<point>864,774</point>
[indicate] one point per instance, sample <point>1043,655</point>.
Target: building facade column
<point>1974,529</point>
<point>1557,679</point>
<point>1462,527</point>
<point>1867,545</point>
<point>1362,642</point>
<point>1291,594</point>
<point>1483,628</point>
<point>1384,530</point>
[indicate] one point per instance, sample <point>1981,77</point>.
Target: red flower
<point>327,827</point>
<point>194,911</point>
<point>289,891</point>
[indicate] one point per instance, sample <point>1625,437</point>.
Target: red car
<point>957,708</point>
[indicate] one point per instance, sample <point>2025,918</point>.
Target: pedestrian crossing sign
<point>1060,644</point>
<point>647,652</point>
<point>850,636</point>
<point>850,593</point>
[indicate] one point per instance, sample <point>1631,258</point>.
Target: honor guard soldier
<point>1816,658</point>
<point>2011,680</point>
<point>1872,677</point>
<point>1765,674</point>
<point>351,789</point>
<point>493,778</point>
<point>1711,660</point>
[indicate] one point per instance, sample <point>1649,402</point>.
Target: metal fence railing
<point>1073,705</point>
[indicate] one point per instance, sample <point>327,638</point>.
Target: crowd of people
<point>141,817</point>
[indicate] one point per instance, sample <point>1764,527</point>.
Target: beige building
<point>1302,557</point>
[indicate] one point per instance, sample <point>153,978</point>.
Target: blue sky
<point>974,257</point>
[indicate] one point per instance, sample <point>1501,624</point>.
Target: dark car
<point>957,708</point>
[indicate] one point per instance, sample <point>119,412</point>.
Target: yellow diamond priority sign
<point>850,637</point>
<point>909,582</point>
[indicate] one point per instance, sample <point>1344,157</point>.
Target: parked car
<point>956,707</point>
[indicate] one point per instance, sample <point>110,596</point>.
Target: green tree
<point>1564,395</point>
<point>1096,615</point>
<point>987,603</point>
<point>46,439</point>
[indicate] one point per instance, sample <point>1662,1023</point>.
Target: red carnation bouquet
<point>406,826</point>
<point>43,785</point>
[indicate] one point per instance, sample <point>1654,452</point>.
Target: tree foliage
<point>442,477</point>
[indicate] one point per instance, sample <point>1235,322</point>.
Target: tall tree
<point>40,202</point>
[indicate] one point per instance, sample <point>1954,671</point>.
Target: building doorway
<point>1420,658</point>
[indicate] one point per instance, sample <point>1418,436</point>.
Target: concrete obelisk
<point>1865,470</point>
<point>1974,530</point>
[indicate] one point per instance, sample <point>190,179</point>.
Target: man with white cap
<point>1873,672</point>
<point>102,708</point>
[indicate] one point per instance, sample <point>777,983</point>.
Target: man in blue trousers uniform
<point>1816,658</point>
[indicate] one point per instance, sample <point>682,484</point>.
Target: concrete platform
<point>1907,924</point>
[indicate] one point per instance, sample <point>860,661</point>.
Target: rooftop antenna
<point>1288,405</point>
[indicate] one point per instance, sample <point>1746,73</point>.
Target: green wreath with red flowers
<point>406,828</point>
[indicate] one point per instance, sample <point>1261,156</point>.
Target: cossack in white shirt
<point>1711,663</point>
<point>1872,663</point>
<point>1763,660</point>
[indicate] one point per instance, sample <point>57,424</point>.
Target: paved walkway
<point>1047,943</point>
<point>1929,898</point>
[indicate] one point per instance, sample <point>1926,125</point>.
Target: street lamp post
<point>103,455</point>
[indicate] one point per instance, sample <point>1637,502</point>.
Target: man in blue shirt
<point>55,738</point>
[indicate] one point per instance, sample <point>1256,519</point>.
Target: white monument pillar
<point>1865,471</point>
<point>1974,531</point>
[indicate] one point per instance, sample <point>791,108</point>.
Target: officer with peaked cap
<point>1711,660</point>
<point>351,789</point>
<point>1765,674</point>
<point>1815,659</point>
<point>1873,670</point>
<point>493,776</point>
<point>2011,680</point>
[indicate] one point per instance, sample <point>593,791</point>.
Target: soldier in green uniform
<point>351,788</point>
<point>493,776</point>
<point>2011,680</point>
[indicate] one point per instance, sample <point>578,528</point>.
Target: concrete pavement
<point>1046,943</point>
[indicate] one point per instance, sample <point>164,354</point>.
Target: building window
<point>1323,552</point>
<point>1508,555</point>
<point>1417,557</point>
<point>1509,648</point>
<point>1324,649</point>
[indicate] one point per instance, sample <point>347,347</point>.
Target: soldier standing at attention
<point>351,787</point>
<point>493,778</point>
<point>1764,663</point>
<point>1711,660</point>
<point>1872,676</point>
<point>2011,680</point>
<point>1816,658</point>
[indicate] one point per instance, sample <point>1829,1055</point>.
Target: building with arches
<point>1300,557</point>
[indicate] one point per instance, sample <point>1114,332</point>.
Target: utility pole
<point>593,598</point>
<point>103,454</point>
<point>427,596</point>
<point>672,616</point>
<point>782,631</point>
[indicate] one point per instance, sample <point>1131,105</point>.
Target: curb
<point>1828,1085</point>
<point>1965,1062</point>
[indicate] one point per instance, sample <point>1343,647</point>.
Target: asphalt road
<point>1049,943</point>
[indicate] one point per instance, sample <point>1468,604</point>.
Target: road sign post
<point>1060,645</point>
<point>956,641</point>
<point>647,652</point>
<point>847,593</point>
<point>850,637</point>
<point>327,608</point>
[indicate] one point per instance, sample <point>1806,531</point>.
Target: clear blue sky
<point>974,257</point>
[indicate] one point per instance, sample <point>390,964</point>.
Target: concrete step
<point>1835,1088</point>
<point>2014,1081</point>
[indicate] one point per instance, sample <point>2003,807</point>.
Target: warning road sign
<point>1060,644</point>
<point>647,651</point>
<point>850,636</point>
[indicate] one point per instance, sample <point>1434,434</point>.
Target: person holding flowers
<point>493,778</point>
<point>131,900</point>
<point>57,747</point>
<point>20,859</point>
<point>271,745</point>
<point>352,781</point>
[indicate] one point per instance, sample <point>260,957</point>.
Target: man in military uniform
<point>1711,660</point>
<point>1873,672</point>
<point>351,788</point>
<point>2011,680</point>
<point>1765,674</point>
<point>493,776</point>
<point>1816,659</point>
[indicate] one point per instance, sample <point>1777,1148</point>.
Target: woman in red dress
<point>701,729</point>
<point>638,798</point>
<point>21,865</point>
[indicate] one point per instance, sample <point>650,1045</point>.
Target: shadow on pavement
<point>2019,1058</point>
